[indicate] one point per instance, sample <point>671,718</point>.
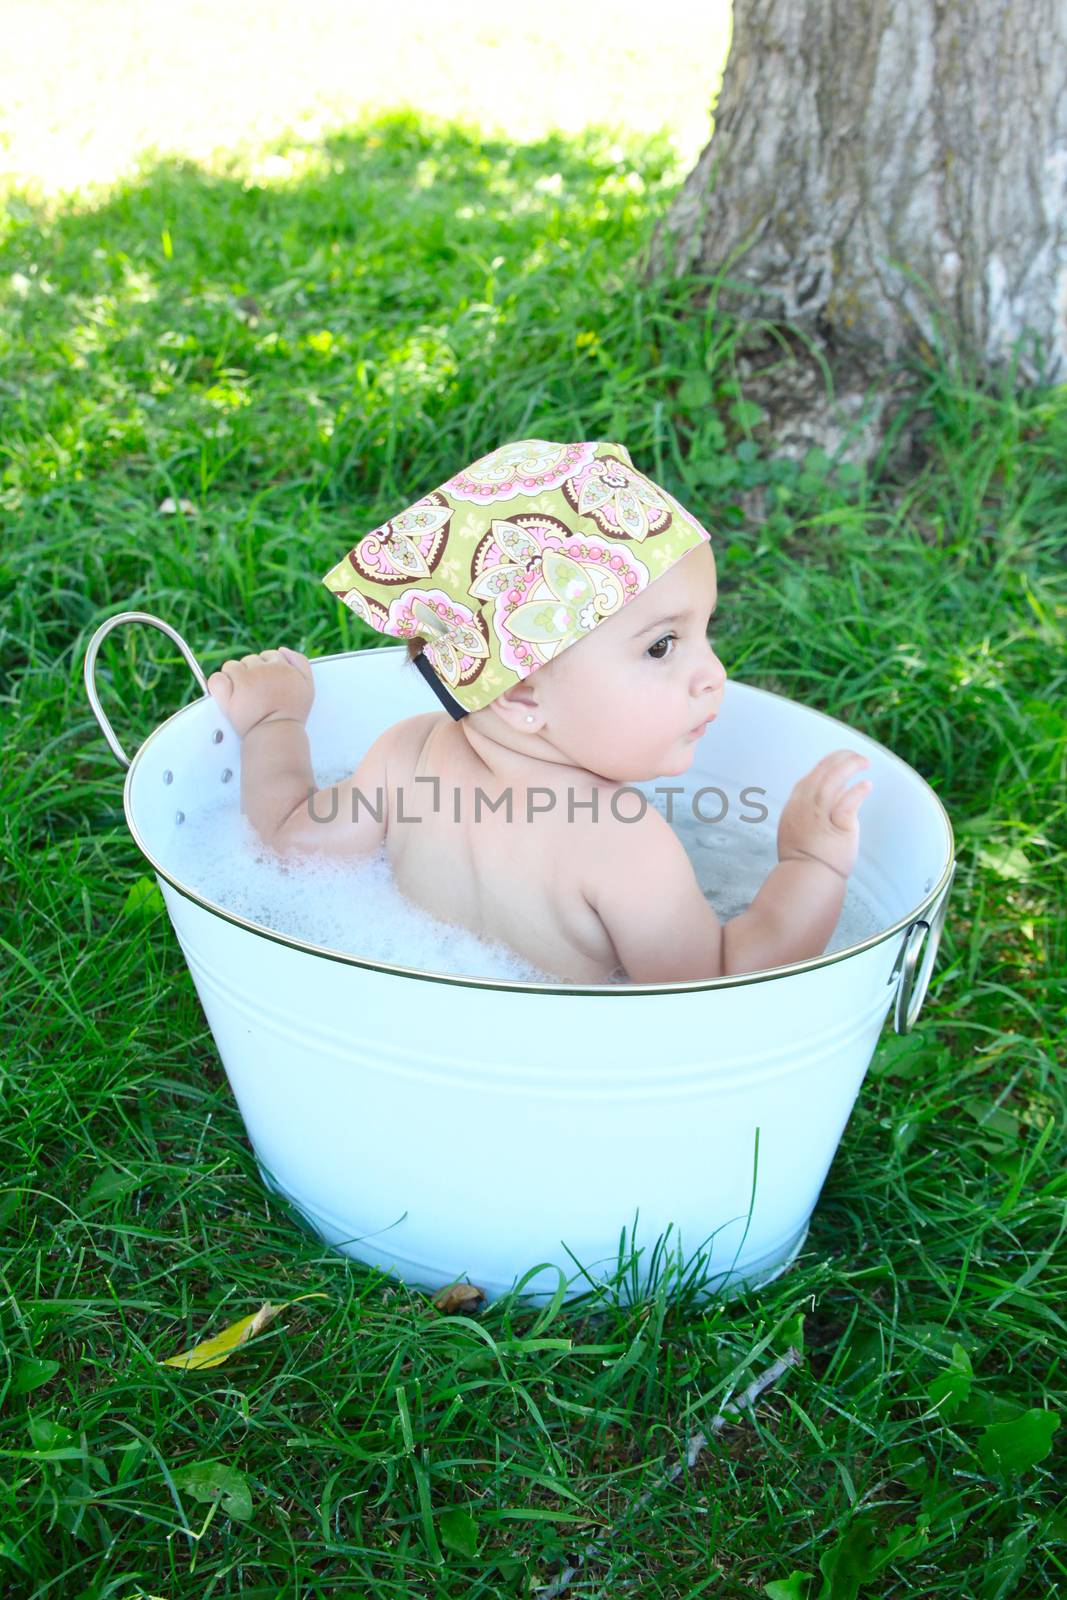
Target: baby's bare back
<point>461,859</point>
<point>581,892</point>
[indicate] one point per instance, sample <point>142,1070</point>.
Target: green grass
<point>298,361</point>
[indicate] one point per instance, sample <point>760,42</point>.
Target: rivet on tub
<point>216,737</point>
<point>168,776</point>
<point>179,816</point>
<point>226,774</point>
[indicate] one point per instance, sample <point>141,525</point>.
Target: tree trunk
<point>885,176</point>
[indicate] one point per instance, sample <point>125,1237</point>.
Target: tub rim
<point>734,980</point>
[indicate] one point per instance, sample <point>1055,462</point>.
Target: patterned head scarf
<point>513,560</point>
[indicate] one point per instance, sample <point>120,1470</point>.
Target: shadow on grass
<point>351,324</point>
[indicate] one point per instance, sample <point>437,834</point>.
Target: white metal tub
<point>478,1128</point>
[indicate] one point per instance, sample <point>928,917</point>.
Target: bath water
<point>355,907</point>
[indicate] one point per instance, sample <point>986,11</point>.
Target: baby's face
<point>629,702</point>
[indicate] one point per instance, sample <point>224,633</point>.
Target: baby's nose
<point>716,672</point>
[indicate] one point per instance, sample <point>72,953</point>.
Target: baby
<point>582,665</point>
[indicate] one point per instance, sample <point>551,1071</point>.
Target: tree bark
<point>891,178</point>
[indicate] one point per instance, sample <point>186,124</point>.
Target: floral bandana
<point>514,559</point>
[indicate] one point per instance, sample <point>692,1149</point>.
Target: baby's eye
<point>667,638</point>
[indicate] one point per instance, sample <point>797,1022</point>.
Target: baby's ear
<point>518,709</point>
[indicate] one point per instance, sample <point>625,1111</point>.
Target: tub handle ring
<point>90,668</point>
<point>911,989</point>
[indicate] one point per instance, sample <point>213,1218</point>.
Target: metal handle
<point>90,668</point>
<point>911,990</point>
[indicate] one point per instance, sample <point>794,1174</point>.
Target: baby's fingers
<point>844,765</point>
<point>846,806</point>
<point>826,772</point>
<point>220,687</point>
<point>230,672</point>
<point>295,659</point>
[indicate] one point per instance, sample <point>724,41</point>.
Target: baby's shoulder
<point>390,758</point>
<point>407,740</point>
<point>638,845</point>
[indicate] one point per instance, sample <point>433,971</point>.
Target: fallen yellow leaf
<point>213,1352</point>
<point>459,1297</point>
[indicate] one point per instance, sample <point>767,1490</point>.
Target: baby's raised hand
<point>820,819</point>
<point>270,687</point>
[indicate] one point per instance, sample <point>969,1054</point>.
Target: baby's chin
<point>679,762</point>
<point>666,765</point>
<point>682,764</point>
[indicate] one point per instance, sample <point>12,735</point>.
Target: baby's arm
<point>641,884</point>
<point>643,888</point>
<point>267,698</point>
<point>797,908</point>
<point>790,919</point>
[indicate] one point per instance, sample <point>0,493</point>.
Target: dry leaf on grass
<point>213,1352</point>
<point>455,1297</point>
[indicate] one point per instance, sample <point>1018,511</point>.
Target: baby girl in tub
<point>557,601</point>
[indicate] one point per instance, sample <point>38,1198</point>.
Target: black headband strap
<point>448,700</point>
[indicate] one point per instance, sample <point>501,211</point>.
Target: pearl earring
<point>529,718</point>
